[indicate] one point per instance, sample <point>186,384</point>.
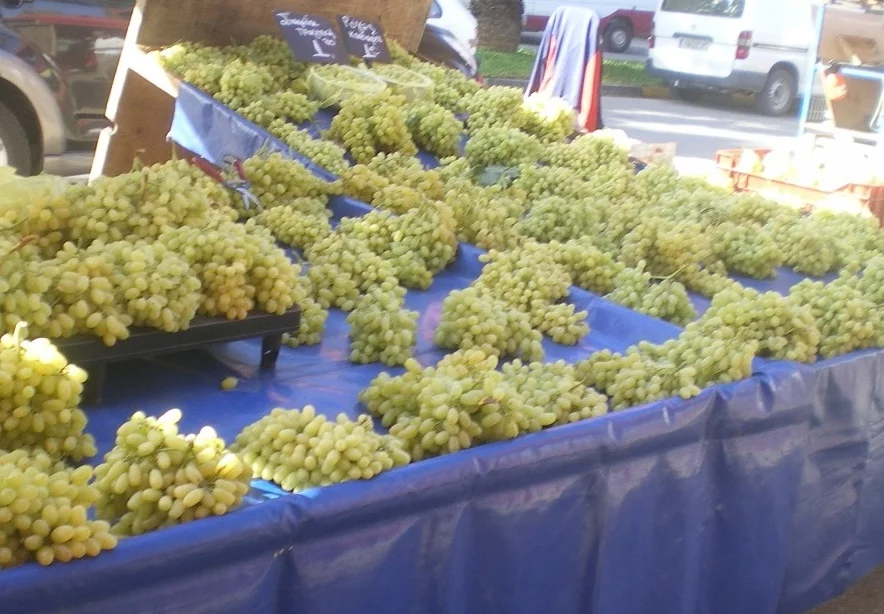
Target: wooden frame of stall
<point>142,98</point>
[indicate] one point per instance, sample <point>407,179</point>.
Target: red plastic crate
<point>870,197</point>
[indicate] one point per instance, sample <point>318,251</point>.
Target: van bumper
<point>738,80</point>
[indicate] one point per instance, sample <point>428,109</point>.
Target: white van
<point>621,20</point>
<point>756,46</point>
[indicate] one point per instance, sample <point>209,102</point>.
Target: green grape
<point>277,180</point>
<point>807,246</point>
<point>295,224</point>
<point>313,317</point>
<point>300,449</point>
<point>435,129</point>
<point>499,145</point>
<point>41,397</point>
<point>155,477</point>
<point>560,321</point>
<point>587,156</point>
<point>474,319</point>
<point>239,268</point>
<point>846,318</point>
<point>486,217</point>
<point>550,119</point>
<point>589,267</point>
<point>44,511</point>
<point>324,154</point>
<point>450,86</point>
<point>494,106</point>
<point>747,250</point>
<point>381,329</point>
<point>539,182</point>
<point>781,328</point>
<point>871,284</point>
<point>369,124</point>
<point>667,299</point>
<point>555,386</point>
<point>287,106</point>
<point>558,219</point>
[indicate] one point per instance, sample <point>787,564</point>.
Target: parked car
<point>58,59</point>
<point>450,36</point>
<point>760,47</point>
<point>620,21</point>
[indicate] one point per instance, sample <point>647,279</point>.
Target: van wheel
<point>778,94</point>
<point>618,37</point>
<point>688,94</point>
<point>15,149</point>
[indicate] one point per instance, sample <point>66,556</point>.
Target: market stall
<point>759,493</point>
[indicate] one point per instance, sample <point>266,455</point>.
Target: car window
<point>720,8</point>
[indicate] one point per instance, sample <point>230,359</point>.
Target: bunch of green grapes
<point>418,244</point>
<point>746,250</point>
<point>41,398</point>
<point>155,477</point>
<point>587,155</point>
<point>559,219</point>
<point>24,282</point>
<point>44,511</point>
<point>239,268</point>
<point>486,217</point>
<point>782,328</point>
<point>589,267</point>
<point>400,55</point>
<point>871,284</point>
<point>561,322</point>
<point>458,403</point>
<point>399,199</point>
<point>435,129</point>
<point>807,246</point>
<point>538,182</point>
<point>242,82</point>
<point>343,267</point>
<point>523,275</point>
<point>667,299</point>
<point>85,296</point>
<point>858,238</point>
<point>291,225</point>
<point>846,318</point>
<point>381,329</point>
<point>474,319</point>
<point>323,153</point>
<point>450,87</point>
<point>494,106</point>
<point>705,281</point>
<point>198,64</point>
<point>405,170</point>
<point>500,145</point>
<point>313,317</point>
<point>369,124</point>
<point>287,106</point>
<point>548,118</point>
<point>276,179</point>
<point>274,54</point>
<point>555,386</point>
<point>363,183</point>
<point>299,449</point>
<point>680,367</point>
<point>666,247</point>
<point>156,286</point>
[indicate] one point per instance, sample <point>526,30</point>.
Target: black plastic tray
<point>91,353</point>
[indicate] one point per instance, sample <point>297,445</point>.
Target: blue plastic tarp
<point>756,497</point>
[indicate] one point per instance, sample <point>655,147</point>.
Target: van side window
<point>721,8</point>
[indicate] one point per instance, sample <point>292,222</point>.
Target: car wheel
<point>688,94</point>
<point>15,150</point>
<point>618,37</point>
<point>778,94</point>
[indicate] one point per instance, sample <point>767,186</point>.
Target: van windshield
<point>719,8</point>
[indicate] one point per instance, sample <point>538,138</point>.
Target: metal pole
<point>812,57</point>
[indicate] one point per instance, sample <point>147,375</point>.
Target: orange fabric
<point>549,65</point>
<point>590,94</point>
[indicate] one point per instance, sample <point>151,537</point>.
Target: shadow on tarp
<point>760,496</point>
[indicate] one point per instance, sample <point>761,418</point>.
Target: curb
<point>618,91</point>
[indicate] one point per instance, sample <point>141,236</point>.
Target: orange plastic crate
<point>870,197</point>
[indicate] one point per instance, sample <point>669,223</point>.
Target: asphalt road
<point>699,130</point>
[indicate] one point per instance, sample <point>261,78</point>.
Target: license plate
<point>697,44</point>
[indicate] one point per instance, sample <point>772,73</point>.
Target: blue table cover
<point>761,496</point>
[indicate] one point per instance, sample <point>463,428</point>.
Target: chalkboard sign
<point>364,39</point>
<point>312,39</point>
